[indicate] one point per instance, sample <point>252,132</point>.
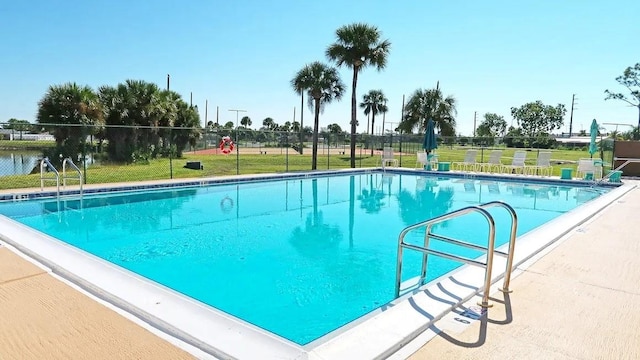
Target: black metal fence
<point>109,154</point>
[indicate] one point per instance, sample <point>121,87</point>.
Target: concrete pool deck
<point>576,302</point>
<point>43,317</point>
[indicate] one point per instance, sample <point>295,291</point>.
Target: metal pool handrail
<point>626,162</point>
<point>45,163</point>
<point>64,173</point>
<point>488,265</point>
<point>512,241</point>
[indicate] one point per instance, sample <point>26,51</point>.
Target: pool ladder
<point>489,249</point>
<point>46,164</point>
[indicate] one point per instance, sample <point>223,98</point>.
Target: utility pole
<point>168,78</point>
<point>573,99</point>
<point>474,124</point>
<point>191,99</point>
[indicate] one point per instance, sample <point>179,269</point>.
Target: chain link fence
<point>109,154</point>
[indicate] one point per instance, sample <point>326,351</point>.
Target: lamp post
<point>237,147</point>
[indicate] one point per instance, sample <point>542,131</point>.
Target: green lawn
<point>217,165</point>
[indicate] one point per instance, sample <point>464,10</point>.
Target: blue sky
<point>242,54</point>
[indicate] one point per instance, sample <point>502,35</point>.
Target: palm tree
<point>322,85</point>
<point>268,123</point>
<point>429,104</point>
<point>373,103</point>
<point>69,104</point>
<point>245,121</point>
<point>358,46</point>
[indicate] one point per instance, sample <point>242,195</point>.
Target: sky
<point>242,54</point>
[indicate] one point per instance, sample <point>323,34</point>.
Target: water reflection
<point>428,201</point>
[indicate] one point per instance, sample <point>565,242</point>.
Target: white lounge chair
<point>542,166</point>
<point>587,168</point>
<point>493,163</point>
<point>387,157</point>
<point>517,163</point>
<point>469,162</point>
<point>421,159</point>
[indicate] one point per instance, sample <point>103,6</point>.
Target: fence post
<point>170,154</point>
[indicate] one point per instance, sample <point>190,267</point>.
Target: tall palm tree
<point>69,104</point>
<point>430,104</point>
<point>323,85</point>
<point>245,121</point>
<point>358,46</point>
<point>374,103</point>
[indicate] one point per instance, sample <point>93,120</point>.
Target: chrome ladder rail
<point>45,163</point>
<point>626,162</point>
<point>488,265</point>
<point>64,173</point>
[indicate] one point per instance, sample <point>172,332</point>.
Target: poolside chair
<point>469,162</point>
<point>421,160</point>
<point>517,163</point>
<point>542,166</point>
<point>387,157</point>
<point>586,169</point>
<point>493,163</point>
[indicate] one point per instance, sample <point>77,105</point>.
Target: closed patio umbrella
<point>593,147</point>
<point>430,142</point>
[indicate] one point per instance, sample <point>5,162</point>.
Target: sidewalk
<point>580,301</point>
<point>43,318</point>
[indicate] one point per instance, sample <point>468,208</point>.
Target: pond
<point>18,162</point>
<point>22,162</point>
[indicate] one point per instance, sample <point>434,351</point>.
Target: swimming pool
<point>299,257</point>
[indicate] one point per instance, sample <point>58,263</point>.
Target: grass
<point>217,165</point>
<point>26,145</point>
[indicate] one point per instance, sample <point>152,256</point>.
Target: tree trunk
<point>353,116</point>
<point>316,126</point>
<point>373,121</point>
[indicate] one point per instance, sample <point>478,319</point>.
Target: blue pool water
<point>299,258</point>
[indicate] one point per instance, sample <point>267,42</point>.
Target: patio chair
<point>586,169</point>
<point>493,162</point>
<point>469,162</point>
<point>517,163</point>
<point>387,157</point>
<point>542,166</point>
<point>421,159</point>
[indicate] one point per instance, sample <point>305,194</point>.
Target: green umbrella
<point>430,142</point>
<point>593,147</point>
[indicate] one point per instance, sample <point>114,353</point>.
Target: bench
<point>195,165</point>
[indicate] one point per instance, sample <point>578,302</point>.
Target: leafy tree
<point>72,105</point>
<point>374,103</point>
<point>630,79</point>
<point>493,125</point>
<point>514,137</point>
<point>358,46</point>
<point>229,125</point>
<point>429,104</point>
<point>322,85</point>
<point>295,126</point>
<point>334,129</point>
<point>245,121</point>
<point>537,119</point>
<point>18,125</point>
